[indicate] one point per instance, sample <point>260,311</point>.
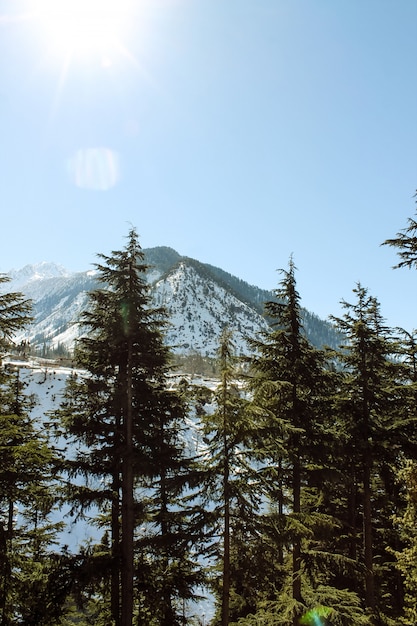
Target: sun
<point>84,28</point>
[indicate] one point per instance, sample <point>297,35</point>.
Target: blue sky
<point>237,132</point>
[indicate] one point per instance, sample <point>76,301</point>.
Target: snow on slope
<point>199,308</point>
<point>33,273</point>
<point>58,298</point>
<point>46,381</point>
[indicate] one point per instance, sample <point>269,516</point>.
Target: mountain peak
<point>37,271</point>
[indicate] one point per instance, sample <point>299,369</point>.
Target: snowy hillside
<point>45,382</point>
<point>199,309</point>
<point>32,274</point>
<point>200,300</point>
<point>58,302</point>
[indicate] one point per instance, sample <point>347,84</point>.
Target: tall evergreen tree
<point>169,543</point>
<point>29,591</point>
<point>405,243</point>
<point>231,490</point>
<point>291,388</point>
<point>126,422</point>
<point>370,405</point>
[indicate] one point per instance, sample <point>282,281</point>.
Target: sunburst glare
<point>84,29</point>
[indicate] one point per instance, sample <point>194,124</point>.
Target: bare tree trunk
<point>367,535</point>
<point>280,510</point>
<point>296,551</point>
<point>352,508</point>
<point>226,540</point>
<point>167,617</point>
<point>127,544</point>
<point>115,548</point>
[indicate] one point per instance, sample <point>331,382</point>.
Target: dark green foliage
<point>14,314</point>
<point>406,244</point>
<point>29,593</point>
<point>126,423</point>
<point>406,523</point>
<point>291,389</point>
<point>371,412</point>
<point>27,497</point>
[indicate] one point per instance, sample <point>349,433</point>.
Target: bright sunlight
<point>84,28</point>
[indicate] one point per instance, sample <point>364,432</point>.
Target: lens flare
<point>316,617</point>
<point>97,169</point>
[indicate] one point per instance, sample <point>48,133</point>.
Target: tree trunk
<point>367,534</point>
<point>127,545</point>
<point>280,510</point>
<point>4,573</point>
<point>296,554</point>
<point>115,548</point>
<point>226,542</point>
<point>352,510</point>
<point>167,613</point>
<point>226,497</point>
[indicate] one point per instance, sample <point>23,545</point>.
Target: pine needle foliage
<point>407,557</point>
<point>28,486</point>
<point>405,243</point>
<point>231,489</point>
<point>371,405</point>
<point>291,387</point>
<point>15,314</point>
<point>125,424</point>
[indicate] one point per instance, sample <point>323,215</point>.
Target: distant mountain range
<point>200,299</point>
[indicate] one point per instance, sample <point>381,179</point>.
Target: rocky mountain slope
<point>200,300</point>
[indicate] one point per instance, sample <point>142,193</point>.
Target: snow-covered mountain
<point>32,274</point>
<point>199,307</point>
<point>200,300</point>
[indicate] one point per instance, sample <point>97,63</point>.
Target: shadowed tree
<point>28,488</point>
<point>291,387</point>
<point>126,423</point>
<point>372,404</point>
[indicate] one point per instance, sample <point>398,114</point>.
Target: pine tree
<point>291,387</point>
<point>14,314</point>
<point>231,490</point>
<point>168,546</point>
<point>371,406</point>
<point>126,422</point>
<point>28,566</point>
<point>406,244</point>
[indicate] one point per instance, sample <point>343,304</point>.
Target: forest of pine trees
<point>297,504</point>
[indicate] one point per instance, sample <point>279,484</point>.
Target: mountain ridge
<point>200,300</point>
